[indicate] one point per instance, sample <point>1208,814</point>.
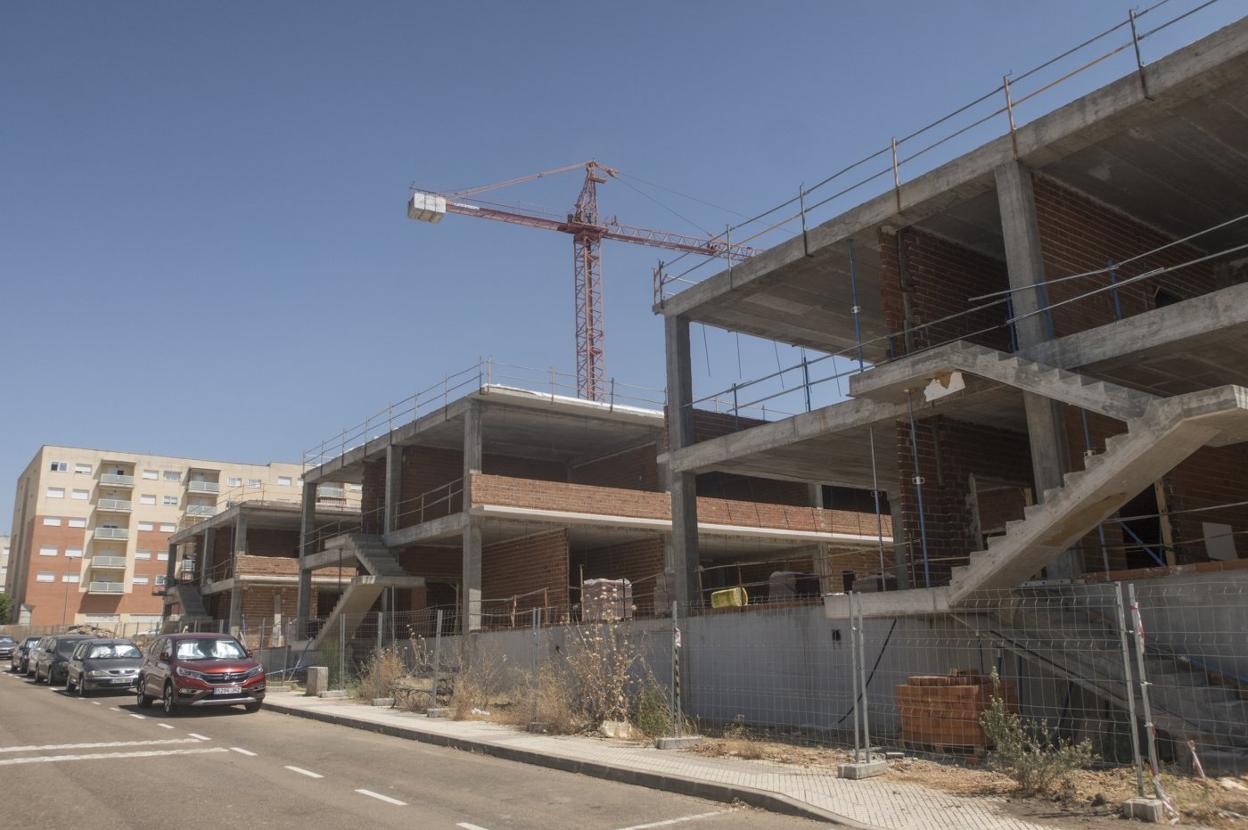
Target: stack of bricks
<point>941,712</point>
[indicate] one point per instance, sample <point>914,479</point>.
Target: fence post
<point>677,716</point>
<point>1137,625</point>
<point>437,658</point>
<point>853,674</point>
<point>536,683</point>
<point>342,650</point>
<point>1127,687</point>
<point>862,679</point>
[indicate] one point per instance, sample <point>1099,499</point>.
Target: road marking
<point>199,737</point>
<point>113,709</point>
<point>306,772</point>
<point>164,726</point>
<point>101,756</point>
<point>97,703</point>
<point>140,717</point>
<point>468,826</point>
<point>49,747</point>
<point>384,798</point>
<point>672,821</point>
<point>242,751</point>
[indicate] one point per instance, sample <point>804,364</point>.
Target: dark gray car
<point>52,656</point>
<point>103,664</point>
<point>17,663</point>
<point>7,646</point>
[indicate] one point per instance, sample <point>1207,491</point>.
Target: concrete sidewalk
<point>873,803</point>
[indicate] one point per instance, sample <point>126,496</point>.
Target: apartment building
<point>4,561</point>
<point>91,528</point>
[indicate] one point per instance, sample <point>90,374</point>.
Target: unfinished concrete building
<point>1053,331</point>
<point>506,500</point>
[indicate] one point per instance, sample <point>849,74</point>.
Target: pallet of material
<point>942,711</point>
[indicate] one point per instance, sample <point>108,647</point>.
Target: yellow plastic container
<point>730,598</point>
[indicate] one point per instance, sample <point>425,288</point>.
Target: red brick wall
<point>526,566</point>
<point>636,469</point>
<point>943,277</point>
<point>637,560</point>
<point>964,450</point>
<point>1211,476</point>
<point>1079,234</point>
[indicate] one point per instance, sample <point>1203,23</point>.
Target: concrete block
<point>437,712</point>
<point>862,769</point>
<point>383,701</point>
<point>318,680</point>
<point>683,742</point>
<point>334,694</point>
<point>1145,809</point>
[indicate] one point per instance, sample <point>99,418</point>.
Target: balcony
<point>116,480</point>
<point>113,505</point>
<point>204,486</point>
<point>106,587</point>
<point>201,510</point>
<point>109,562</point>
<point>112,533</point>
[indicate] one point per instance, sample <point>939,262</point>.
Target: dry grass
<point>384,668</point>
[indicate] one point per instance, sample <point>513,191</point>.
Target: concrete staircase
<point>1168,431</point>
<point>384,571</point>
<point>889,382</point>
<point>1082,646</point>
<point>188,596</point>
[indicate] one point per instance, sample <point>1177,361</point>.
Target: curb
<point>712,791</point>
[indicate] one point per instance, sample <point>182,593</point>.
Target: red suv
<point>184,670</point>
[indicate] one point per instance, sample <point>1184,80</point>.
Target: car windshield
<point>66,647</point>
<point>223,649</point>
<point>30,641</point>
<point>109,651</point>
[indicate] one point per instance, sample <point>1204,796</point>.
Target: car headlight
<point>181,672</point>
<point>97,673</point>
<point>252,672</point>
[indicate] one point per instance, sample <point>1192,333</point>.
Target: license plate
<point>228,690</point>
<point>121,681</point>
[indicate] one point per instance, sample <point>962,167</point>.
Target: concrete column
<point>307,526</point>
<point>394,481</point>
<point>240,534</point>
<point>901,553</point>
<point>171,566</point>
<point>1045,428</point>
<point>205,556</point>
<point>682,553</point>
<point>471,583</point>
<point>236,608</point>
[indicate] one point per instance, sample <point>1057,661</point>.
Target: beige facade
<point>4,561</point>
<point>91,527</point>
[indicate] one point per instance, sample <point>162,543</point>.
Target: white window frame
<point>73,553</point>
<point>171,475</point>
<point>76,522</point>
<point>161,579</point>
<point>284,481</point>
<point>49,550</point>
<point>44,576</point>
<point>139,580</point>
<point>255,482</point>
<point>51,521</point>
<point>165,527</point>
<point>162,557</point>
<point>142,554</point>
<point>70,578</point>
<point>80,495</point>
<point>234,481</point>
<point>146,526</point>
<point>58,467</point>
<point>82,469</point>
<point>147,498</point>
<point>55,493</point>
<point>151,475</point>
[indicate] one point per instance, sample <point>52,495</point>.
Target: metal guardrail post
<point>853,674</point>
<point>1139,61</point>
<point>437,657</point>
<point>862,677</point>
<point>1130,692</point>
<point>677,715</point>
<point>1137,626</point>
<point>1009,111</point>
<point>342,650</point>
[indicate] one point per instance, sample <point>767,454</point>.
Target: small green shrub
<point>1028,751</point>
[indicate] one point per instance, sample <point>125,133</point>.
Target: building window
<point>48,551</point>
<point>51,521</point>
<point>56,492</point>
<point>59,467</point>
<point>162,557</point>
<point>80,495</point>
<point>254,482</point>
<point>355,488</point>
<point>82,469</point>
<point>167,528</point>
<point>172,475</point>
<point>44,576</point>
<point>69,577</point>
<point>77,522</point>
<point>169,501</point>
<point>151,475</point>
<point>283,481</point>
<point>160,580</point>
<point>234,481</point>
<point>139,580</point>
<point>146,526</point>
<point>142,554</point>
<point>73,553</point>
<point>147,498</point>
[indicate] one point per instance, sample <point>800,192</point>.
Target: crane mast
<point>588,230</point>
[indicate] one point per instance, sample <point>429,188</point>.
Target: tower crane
<point>588,230</point>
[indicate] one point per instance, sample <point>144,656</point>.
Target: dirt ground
<point>1092,800</point>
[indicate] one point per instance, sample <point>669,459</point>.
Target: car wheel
<point>69,683</point>
<point>168,703</point>
<point>142,699</point>
<point>251,707</point>
<point>82,686</point>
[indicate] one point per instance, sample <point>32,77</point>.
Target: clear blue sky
<point>203,249</point>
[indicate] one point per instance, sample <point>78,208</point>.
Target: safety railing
<point>114,505</point>
<point>991,115</point>
<point>99,587</point>
<point>112,533</point>
<point>108,562</point>
<point>195,486</point>
<point>434,503</point>
<point>116,480</point>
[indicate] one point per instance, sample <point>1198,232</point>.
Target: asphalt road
<point>103,763</point>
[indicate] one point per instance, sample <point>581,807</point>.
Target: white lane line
<point>97,703</point>
<point>164,726</point>
<point>468,826</point>
<point>384,798</point>
<point>113,709</point>
<point>242,751</point>
<point>198,736</point>
<point>306,772</point>
<point>50,747</point>
<point>102,756</point>
<point>672,821</point>
<point>140,717</point>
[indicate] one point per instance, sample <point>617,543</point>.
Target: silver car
<point>103,664</point>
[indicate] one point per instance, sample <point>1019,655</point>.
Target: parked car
<point>17,662</point>
<point>33,657</point>
<point>7,646</point>
<point>53,656</point>
<point>102,664</point>
<point>187,670</point>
